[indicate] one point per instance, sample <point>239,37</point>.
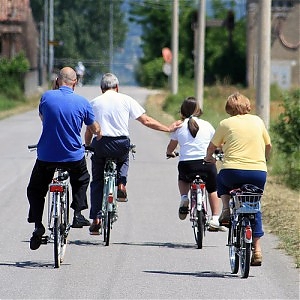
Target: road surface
<point>152,254</point>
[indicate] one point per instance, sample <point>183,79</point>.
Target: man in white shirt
<point>113,111</point>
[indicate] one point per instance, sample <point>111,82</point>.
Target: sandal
<point>224,217</point>
<point>256,258</point>
<point>95,228</point>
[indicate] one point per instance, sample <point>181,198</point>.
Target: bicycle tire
<point>106,227</point>
<point>233,256</point>
<point>57,241</point>
<point>245,252</point>
<point>199,229</point>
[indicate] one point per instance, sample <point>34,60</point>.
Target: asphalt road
<point>152,253</point>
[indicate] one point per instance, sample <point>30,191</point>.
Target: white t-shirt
<point>193,148</point>
<point>113,111</point>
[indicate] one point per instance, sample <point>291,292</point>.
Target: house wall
<point>285,49</point>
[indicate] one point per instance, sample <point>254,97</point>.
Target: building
<point>18,32</point>
<point>285,42</point>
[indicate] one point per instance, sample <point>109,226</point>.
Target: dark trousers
<point>40,179</point>
<point>107,147</point>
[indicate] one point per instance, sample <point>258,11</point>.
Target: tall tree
<point>83,27</point>
<point>224,61</point>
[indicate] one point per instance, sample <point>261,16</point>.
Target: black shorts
<point>187,171</point>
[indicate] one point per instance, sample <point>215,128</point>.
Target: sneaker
<point>183,208</point>
<point>214,225</point>
<point>225,216</point>
<point>95,227</point>
<point>121,193</point>
<point>36,239</point>
<point>256,259</point>
<point>79,221</point>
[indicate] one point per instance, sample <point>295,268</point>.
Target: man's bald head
<point>67,76</point>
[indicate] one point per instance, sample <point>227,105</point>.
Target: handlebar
<point>175,154</point>
<point>218,154</point>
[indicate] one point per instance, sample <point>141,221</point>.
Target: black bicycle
<point>244,205</point>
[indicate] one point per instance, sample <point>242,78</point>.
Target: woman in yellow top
<point>246,145</point>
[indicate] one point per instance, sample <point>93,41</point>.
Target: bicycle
<point>244,204</point>
<point>109,214</point>
<point>58,212</point>
<point>198,203</point>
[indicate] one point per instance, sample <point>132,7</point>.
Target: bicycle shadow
<point>28,264</point>
<point>203,274</point>
<point>163,245</point>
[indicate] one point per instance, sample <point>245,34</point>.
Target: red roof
<point>14,10</point>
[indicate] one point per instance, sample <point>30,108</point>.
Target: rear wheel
<point>57,242</point>
<point>106,227</point>
<point>244,254</point>
<point>198,226</point>
<point>233,256</point>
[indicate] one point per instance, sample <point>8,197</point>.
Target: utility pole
<point>46,30</point>
<point>175,29</point>
<point>252,13</point>
<point>51,39</point>
<point>199,76</point>
<point>111,36</point>
<point>264,57</point>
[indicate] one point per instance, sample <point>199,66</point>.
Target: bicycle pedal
<point>45,239</point>
<point>212,229</point>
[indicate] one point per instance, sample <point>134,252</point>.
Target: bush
<point>151,74</point>
<point>286,136</point>
<point>12,76</point>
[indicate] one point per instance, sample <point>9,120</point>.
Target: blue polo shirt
<point>63,113</point>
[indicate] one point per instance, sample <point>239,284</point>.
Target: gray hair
<point>109,81</point>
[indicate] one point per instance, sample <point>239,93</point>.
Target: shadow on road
<point>197,274</point>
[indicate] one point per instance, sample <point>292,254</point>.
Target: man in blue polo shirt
<point>62,113</point>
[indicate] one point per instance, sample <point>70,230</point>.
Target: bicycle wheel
<point>198,227</point>
<point>245,253</point>
<point>57,232</point>
<point>233,256</point>
<point>106,227</point>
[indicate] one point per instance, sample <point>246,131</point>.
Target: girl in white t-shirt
<point>193,138</point>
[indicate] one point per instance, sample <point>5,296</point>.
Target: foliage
<point>286,136</point>
<point>225,53</point>
<point>12,76</point>
<point>150,74</point>
<point>83,27</point>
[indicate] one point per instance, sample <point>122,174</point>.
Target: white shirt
<point>113,111</point>
<point>193,148</point>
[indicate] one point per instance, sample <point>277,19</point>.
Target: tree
<point>83,28</point>
<point>225,50</point>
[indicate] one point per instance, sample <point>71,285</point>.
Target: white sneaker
<point>183,208</point>
<point>215,225</point>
